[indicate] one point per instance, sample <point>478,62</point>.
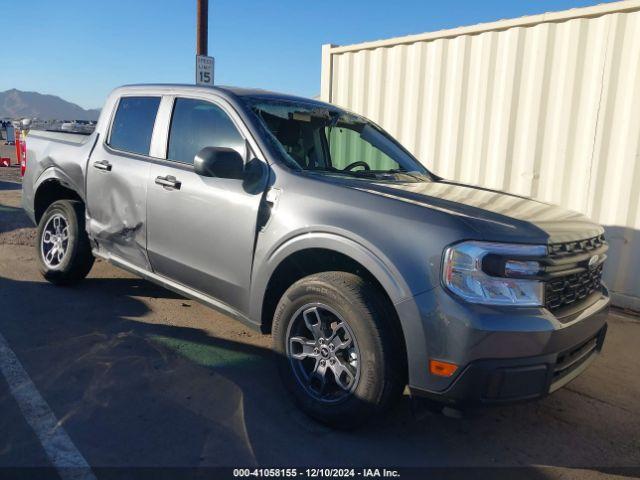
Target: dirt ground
<point>138,376</point>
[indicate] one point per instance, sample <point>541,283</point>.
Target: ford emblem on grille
<point>593,261</point>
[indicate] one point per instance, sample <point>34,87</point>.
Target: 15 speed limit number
<point>204,70</point>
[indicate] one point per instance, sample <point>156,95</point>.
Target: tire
<point>377,377</point>
<point>61,229</point>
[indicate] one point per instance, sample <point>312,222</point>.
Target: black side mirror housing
<point>219,162</point>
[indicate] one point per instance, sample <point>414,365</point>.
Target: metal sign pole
<point>202,28</point>
<point>204,63</point>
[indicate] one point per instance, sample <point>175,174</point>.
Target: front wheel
<point>339,353</point>
<point>64,251</point>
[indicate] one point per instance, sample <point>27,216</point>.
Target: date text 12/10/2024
<point>315,472</point>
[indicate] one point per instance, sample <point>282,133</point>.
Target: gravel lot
<point>138,376</point>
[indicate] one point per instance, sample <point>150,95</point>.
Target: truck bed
<point>55,155</point>
<point>75,138</point>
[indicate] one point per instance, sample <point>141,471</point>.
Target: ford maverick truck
<point>312,224</point>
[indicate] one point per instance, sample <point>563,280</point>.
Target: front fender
<point>388,276</point>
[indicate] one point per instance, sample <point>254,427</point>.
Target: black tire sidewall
<point>369,392</point>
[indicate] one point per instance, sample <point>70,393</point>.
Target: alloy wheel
<point>55,241</point>
<point>323,353</point>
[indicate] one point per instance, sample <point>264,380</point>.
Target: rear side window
<point>196,124</point>
<point>133,124</point>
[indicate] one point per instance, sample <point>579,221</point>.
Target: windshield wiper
<point>417,176</point>
<point>361,173</point>
<point>386,175</point>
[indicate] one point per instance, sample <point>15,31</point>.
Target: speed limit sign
<point>204,70</point>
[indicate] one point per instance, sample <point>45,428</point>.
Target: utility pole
<point>202,29</point>
<point>204,63</point>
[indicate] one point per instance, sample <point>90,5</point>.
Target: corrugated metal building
<point>546,106</point>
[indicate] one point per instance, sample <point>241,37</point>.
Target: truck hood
<point>493,214</point>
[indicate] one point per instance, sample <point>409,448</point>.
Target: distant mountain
<point>18,104</point>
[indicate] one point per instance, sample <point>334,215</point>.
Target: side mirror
<point>219,162</point>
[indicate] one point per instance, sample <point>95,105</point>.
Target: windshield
<point>331,141</point>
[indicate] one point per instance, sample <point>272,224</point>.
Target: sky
<point>80,50</point>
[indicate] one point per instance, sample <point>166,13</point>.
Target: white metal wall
<point>546,106</point>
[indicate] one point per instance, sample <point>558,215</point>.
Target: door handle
<point>169,181</point>
<point>102,165</point>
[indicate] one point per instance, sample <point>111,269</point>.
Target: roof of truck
<point>225,90</point>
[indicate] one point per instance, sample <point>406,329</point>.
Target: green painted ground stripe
<point>206,355</point>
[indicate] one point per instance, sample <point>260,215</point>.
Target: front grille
<point>582,280</point>
<point>570,360</point>
<point>562,250</point>
<point>567,290</point>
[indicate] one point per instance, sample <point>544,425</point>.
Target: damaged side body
<point>116,207</point>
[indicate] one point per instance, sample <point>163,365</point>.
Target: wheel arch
<point>313,253</point>
<point>51,186</point>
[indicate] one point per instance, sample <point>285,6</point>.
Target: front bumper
<point>519,379</point>
<point>504,354</point>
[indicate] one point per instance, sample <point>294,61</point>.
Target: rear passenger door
<point>202,230</point>
<point>117,176</point>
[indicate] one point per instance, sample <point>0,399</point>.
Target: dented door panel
<point>117,204</point>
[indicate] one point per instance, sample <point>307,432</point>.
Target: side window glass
<point>133,124</point>
<point>196,124</point>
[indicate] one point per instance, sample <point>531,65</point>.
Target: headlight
<point>483,272</point>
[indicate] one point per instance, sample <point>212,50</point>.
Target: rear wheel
<point>64,251</point>
<point>339,354</point>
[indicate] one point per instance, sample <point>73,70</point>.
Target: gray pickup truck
<point>311,223</point>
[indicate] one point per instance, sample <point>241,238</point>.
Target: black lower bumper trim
<point>500,381</point>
